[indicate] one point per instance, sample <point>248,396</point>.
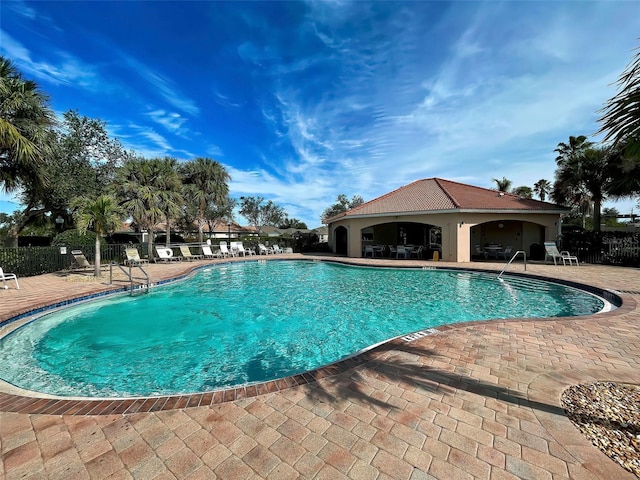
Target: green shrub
<point>72,237</point>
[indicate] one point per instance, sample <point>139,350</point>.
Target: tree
<point>542,188</point>
<point>582,180</point>
<point>137,195</point>
<point>293,223</point>
<point>503,185</point>
<point>102,215</point>
<point>610,217</point>
<point>568,151</point>
<point>167,187</point>
<point>523,192</point>
<point>342,205</point>
<point>621,115</point>
<point>82,163</point>
<point>26,122</point>
<point>259,214</point>
<point>205,185</point>
<point>625,172</point>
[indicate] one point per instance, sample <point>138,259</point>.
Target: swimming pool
<point>240,323</point>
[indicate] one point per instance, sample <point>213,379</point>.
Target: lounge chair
<point>166,254</point>
<point>186,253</point>
<point>8,276</point>
<point>237,249</point>
<point>133,257</point>
<point>207,253</point>
<point>225,251</point>
<point>262,250</point>
<point>277,249</point>
<point>247,250</point>
<point>552,251</point>
<point>79,261</point>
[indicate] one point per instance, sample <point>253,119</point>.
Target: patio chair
<point>8,276</point>
<point>552,251</point>
<point>506,253</point>
<point>263,250</point>
<point>166,254</point>
<point>186,253</point>
<point>80,262</point>
<point>416,252</point>
<point>244,251</point>
<point>368,250</point>
<point>277,249</point>
<point>225,251</point>
<point>480,252</point>
<point>133,257</point>
<point>401,250</point>
<point>207,253</point>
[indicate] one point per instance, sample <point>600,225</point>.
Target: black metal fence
<point>29,261</point>
<point>608,248</point>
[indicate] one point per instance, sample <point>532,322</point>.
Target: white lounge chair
<point>186,253</point>
<point>277,249</point>
<point>552,251</point>
<point>262,250</point>
<point>225,251</point>
<point>8,276</point>
<point>79,260</point>
<point>207,253</point>
<point>166,254</point>
<point>244,251</point>
<point>133,257</point>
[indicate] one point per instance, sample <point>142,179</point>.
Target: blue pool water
<point>248,322</point>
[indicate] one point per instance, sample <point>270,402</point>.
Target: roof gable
<point>437,195</point>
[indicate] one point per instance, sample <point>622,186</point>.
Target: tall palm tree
<point>167,186</point>
<point>584,179</point>
<point>134,188</point>
<point>542,188</point>
<point>503,185</point>
<point>205,184</point>
<point>575,148</point>
<point>102,215</point>
<point>26,134</point>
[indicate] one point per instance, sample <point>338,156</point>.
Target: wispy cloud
<point>66,68</point>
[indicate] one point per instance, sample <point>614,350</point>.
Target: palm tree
<point>583,179</point>
<point>503,185</point>
<point>205,184</point>
<point>621,115</point>
<point>575,147</point>
<point>135,190</point>
<point>26,134</point>
<point>542,188</point>
<point>102,215</point>
<point>166,183</point>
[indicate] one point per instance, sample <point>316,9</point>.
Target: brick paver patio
<point>479,400</point>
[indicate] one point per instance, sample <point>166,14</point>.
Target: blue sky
<point>302,101</point>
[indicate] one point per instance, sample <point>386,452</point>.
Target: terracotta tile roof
<point>438,195</point>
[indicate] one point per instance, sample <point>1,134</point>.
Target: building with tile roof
<point>448,217</point>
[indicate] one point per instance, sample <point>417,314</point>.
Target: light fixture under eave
<point>501,225</point>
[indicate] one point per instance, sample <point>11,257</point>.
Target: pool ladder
<point>524,256</point>
<point>144,287</point>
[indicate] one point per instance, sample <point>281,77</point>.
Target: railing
<point>129,275</point>
<point>524,256</point>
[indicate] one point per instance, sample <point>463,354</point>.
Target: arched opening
<point>500,239</point>
<point>341,240</point>
<point>419,240</point>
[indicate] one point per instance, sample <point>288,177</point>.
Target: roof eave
<point>451,210</point>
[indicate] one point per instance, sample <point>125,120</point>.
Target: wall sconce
<point>500,225</point>
<point>461,223</point>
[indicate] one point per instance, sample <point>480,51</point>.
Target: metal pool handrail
<point>524,256</point>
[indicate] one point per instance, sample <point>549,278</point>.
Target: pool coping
<point>27,402</point>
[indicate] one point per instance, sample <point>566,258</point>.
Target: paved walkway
<point>477,400</point>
